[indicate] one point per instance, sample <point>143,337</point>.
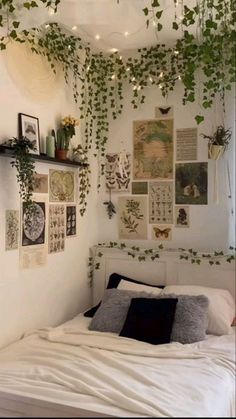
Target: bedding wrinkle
<point>121,376</point>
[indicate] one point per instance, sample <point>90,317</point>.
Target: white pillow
<point>131,286</point>
<point>221,306</point>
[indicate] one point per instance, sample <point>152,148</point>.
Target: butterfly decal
<point>159,233</point>
<point>164,111</point>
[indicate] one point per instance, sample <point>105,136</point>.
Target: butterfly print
<point>164,111</point>
<point>159,233</point>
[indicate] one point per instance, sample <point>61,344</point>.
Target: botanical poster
<point>162,112</point>
<point>161,202</point>
<point>40,183</point>
<point>33,226</point>
<point>56,228</point>
<point>33,256</point>
<point>117,172</point>
<point>12,230</point>
<point>182,216</point>
<point>186,144</point>
<point>139,188</point>
<point>191,183</point>
<point>132,217</point>
<point>70,220</point>
<point>61,186</point>
<point>153,149</point>
<point>161,232</point>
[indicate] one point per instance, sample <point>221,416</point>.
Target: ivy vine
<point>99,80</point>
<point>143,255</point>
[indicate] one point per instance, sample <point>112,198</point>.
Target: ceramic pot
<point>215,151</point>
<point>61,154</point>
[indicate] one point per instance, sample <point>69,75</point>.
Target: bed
<point>71,371</point>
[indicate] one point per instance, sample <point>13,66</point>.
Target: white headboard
<point>168,269</point>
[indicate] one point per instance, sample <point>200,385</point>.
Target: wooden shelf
<point>7,152</point>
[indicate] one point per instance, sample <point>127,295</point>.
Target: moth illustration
<point>159,233</point>
<point>164,111</point>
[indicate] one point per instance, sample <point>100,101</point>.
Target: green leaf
<point>145,11</point>
<point>199,119</point>
<point>175,26</point>
<point>16,24</point>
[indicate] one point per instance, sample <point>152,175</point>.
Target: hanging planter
<point>215,151</point>
<point>217,145</point>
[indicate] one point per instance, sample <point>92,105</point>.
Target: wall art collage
<point>162,184</point>
<point>53,220</point>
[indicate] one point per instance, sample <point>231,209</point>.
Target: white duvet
<point>118,376</point>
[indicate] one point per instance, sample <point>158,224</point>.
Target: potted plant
<point>218,142</point>
<point>25,166</point>
<point>64,134</point>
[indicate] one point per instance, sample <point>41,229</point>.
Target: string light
<point>179,77</point>
<point>69,46</point>
<point>97,37</point>
<point>139,88</point>
<point>135,88</point>
<point>47,26</point>
<point>128,69</point>
<point>154,23</point>
<point>133,79</point>
<point>120,57</point>
<point>51,11</point>
<point>161,75</point>
<point>176,52</point>
<point>160,86</point>
<point>74,28</point>
<point>113,76</point>
<point>88,68</point>
<point>151,79</point>
<point>113,50</point>
<point>126,33</point>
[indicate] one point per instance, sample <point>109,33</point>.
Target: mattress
<point>117,376</point>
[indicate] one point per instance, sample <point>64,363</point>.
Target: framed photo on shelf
<point>29,128</point>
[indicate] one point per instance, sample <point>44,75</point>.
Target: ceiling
<point>118,25</point>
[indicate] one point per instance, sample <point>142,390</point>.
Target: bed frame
<point>168,269</point>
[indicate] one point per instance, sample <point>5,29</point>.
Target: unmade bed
<point>75,371</point>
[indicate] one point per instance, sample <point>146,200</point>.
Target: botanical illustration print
<point>182,216</point>
<point>61,186</point>
<point>164,112</point>
<point>161,232</point>
<point>40,183</point>
<point>117,171</point>
<point>139,188</point>
<point>191,183</point>
<point>56,230</point>
<point>160,202</point>
<point>132,213</point>
<point>33,226</point>
<point>12,230</point>
<point>153,149</point>
<point>70,220</point>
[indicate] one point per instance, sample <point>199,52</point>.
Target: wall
<point>211,226</point>
<point>49,295</point>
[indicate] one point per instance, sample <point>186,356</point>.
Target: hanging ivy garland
<point>99,80</point>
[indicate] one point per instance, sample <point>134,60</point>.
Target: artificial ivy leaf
<point>145,11</point>
<point>199,119</point>
<point>175,26</point>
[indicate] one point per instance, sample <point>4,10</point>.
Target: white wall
<point>49,295</point>
<point>209,224</point>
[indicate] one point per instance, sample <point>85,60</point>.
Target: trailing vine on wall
<point>99,80</point>
<point>144,255</point>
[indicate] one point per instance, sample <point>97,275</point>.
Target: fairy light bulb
<point>113,76</point>
<point>133,79</point>
<point>161,74</point>
<point>126,33</point>
<point>97,37</point>
<point>150,79</point>
<point>128,69</point>
<point>74,28</point>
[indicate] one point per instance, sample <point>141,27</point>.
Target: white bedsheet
<point>122,377</point>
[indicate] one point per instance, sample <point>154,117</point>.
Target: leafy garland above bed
<point>151,254</point>
<point>99,81</point>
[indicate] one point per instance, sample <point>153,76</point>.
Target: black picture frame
<point>29,128</point>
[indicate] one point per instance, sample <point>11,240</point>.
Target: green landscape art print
<point>191,183</point>
<point>153,149</point>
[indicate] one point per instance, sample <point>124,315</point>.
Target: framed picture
<point>29,128</point>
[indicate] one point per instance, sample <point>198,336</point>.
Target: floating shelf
<point>7,152</point>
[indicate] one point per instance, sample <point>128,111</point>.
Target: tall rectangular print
<point>153,149</point>
<point>132,217</point>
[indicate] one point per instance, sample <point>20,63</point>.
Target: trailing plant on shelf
<point>25,166</point>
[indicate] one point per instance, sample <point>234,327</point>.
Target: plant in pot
<point>64,134</point>
<point>218,142</point>
<point>25,166</point>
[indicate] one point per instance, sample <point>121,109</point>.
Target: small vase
<point>215,151</point>
<point>61,154</point>
<point>50,146</point>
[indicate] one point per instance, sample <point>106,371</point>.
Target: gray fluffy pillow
<point>191,318</point>
<point>111,314</point>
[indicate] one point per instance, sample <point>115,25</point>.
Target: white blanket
<point>123,377</point>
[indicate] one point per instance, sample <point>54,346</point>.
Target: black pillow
<point>150,320</point>
<point>114,280</point>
